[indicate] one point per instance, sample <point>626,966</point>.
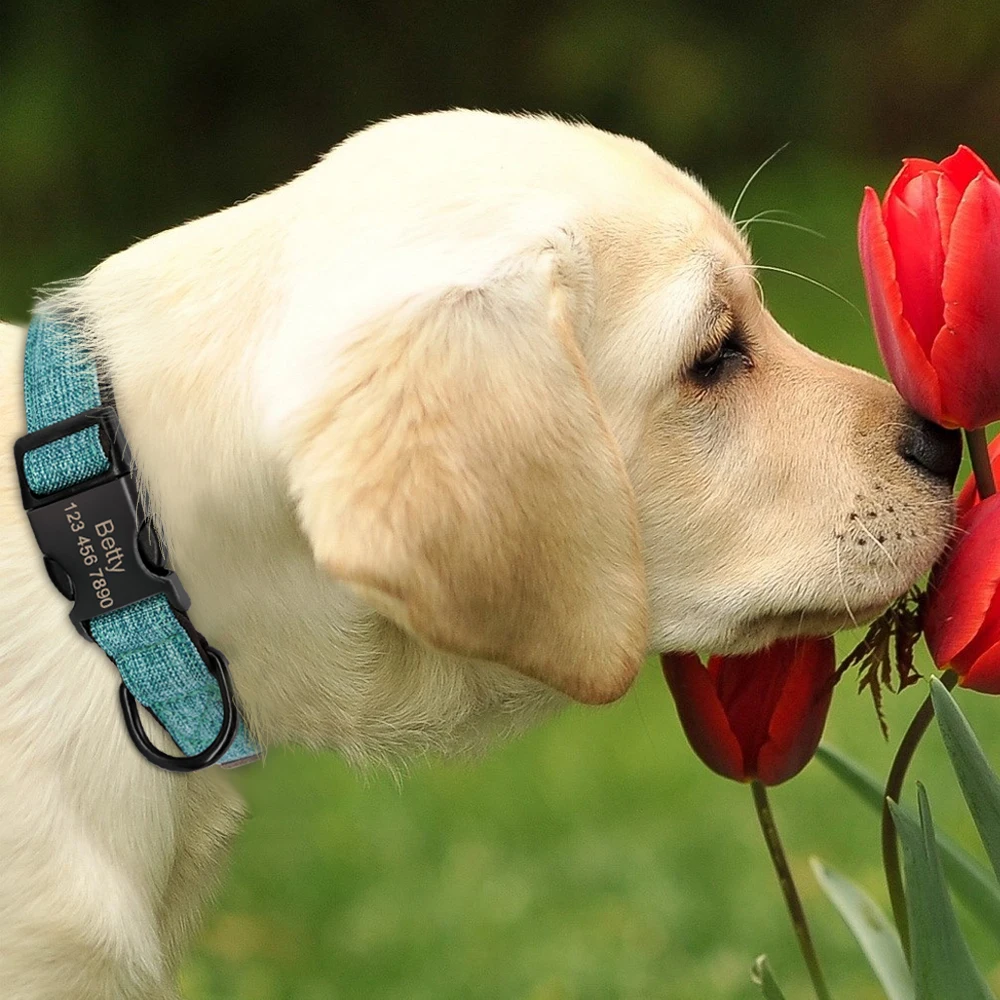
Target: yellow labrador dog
<point>462,422</point>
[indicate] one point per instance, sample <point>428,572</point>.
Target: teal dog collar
<point>102,552</point>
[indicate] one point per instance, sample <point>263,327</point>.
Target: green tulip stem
<point>985,486</point>
<point>893,789</point>
<point>979,453</point>
<point>792,899</point>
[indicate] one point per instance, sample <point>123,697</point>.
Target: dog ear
<point>461,477</point>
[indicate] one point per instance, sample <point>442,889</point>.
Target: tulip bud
<point>759,716</point>
<point>930,253</point>
<point>962,618</point>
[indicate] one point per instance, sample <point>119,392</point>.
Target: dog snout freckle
<point>932,448</point>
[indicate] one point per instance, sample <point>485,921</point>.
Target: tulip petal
<point>963,588</point>
<point>913,166</point>
<point>799,717</point>
<point>966,354</point>
<point>914,232</point>
<point>969,496</point>
<point>702,716</point>
<point>907,364</point>
<point>963,166</point>
<point>984,674</point>
<point>749,688</point>
<point>948,198</point>
<point>985,639</point>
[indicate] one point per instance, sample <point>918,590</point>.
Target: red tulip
<point>969,496</point>
<point>930,253</point>
<point>758,716</point>
<point>962,618</point>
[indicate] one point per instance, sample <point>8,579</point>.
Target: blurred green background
<point>594,857</point>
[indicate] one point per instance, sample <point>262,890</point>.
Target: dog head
<point>510,383</point>
<point>535,412</point>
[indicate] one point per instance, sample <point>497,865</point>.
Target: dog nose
<point>932,448</point>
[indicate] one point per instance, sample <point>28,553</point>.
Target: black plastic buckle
<point>100,550</point>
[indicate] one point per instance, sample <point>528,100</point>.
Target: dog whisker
<point>760,288</point>
<point>779,222</point>
<point>885,551</point>
<point>753,177</point>
<point>887,592</point>
<point>768,212</point>
<point>843,589</point>
<point>798,628</point>
<point>796,274</point>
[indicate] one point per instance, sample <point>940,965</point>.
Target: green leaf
<point>852,774</point>
<point>972,883</point>
<point>760,973</point>
<point>873,931</point>
<point>980,785</point>
<point>942,964</point>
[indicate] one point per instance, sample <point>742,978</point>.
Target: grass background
<point>594,857</point>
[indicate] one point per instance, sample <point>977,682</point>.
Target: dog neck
<point>181,342</point>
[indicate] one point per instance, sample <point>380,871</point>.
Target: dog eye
<point>720,360</point>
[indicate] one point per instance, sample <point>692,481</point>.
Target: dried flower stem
<point>792,899</point>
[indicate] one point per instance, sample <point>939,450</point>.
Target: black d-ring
<point>219,668</point>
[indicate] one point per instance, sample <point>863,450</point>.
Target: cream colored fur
<point>422,435</point>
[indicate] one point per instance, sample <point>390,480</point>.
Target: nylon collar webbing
<point>76,481</point>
